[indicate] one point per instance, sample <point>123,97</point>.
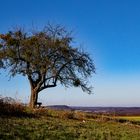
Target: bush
<point>75,115</point>
<point>40,112</point>
<point>10,107</point>
<point>67,115</point>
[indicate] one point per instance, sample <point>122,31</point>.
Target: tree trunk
<point>33,98</point>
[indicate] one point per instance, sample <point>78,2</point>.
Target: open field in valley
<point>131,118</point>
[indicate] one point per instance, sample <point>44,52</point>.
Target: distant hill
<point>128,111</point>
<point>60,107</point>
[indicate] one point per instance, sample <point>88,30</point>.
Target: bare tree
<point>47,58</point>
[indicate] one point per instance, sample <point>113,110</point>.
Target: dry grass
<point>9,107</point>
<point>20,122</point>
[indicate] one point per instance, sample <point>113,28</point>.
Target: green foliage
<point>46,57</point>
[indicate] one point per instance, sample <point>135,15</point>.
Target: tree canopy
<point>46,57</point>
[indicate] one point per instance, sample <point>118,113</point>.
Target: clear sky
<point>108,29</point>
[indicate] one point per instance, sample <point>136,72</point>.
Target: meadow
<point>22,123</point>
<point>131,118</point>
<point>52,128</point>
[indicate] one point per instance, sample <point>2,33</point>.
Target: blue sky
<point>108,29</point>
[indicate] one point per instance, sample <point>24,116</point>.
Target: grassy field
<point>18,122</point>
<point>131,118</point>
<point>66,125</point>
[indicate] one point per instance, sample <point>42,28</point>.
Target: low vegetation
<point>9,107</point>
<point>131,118</point>
<point>19,122</point>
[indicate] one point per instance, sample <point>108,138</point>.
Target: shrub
<point>10,107</point>
<point>40,112</point>
<point>67,115</point>
<point>76,115</point>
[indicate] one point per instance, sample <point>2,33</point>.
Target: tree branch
<point>47,86</point>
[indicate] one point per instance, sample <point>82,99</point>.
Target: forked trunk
<point>33,98</point>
